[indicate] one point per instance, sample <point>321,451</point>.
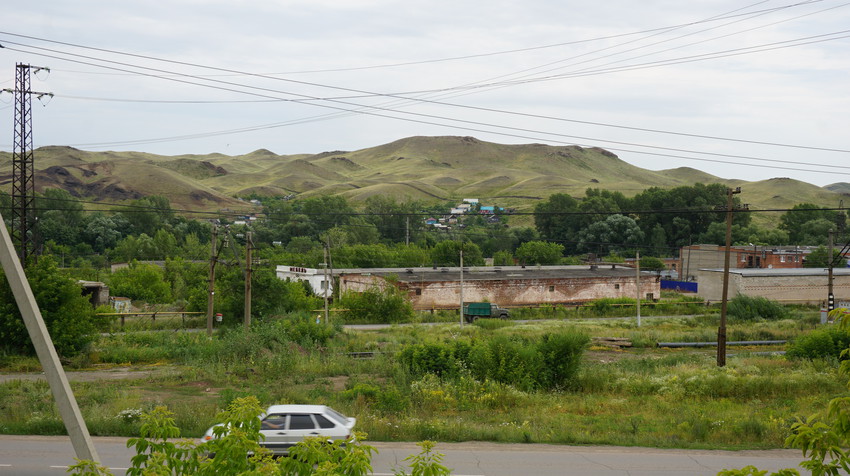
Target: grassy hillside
<point>422,168</point>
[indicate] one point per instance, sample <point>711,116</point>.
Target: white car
<point>283,426</point>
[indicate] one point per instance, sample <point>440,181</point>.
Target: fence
<point>682,286</point>
<point>165,316</point>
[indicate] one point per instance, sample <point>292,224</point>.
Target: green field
<point>639,395</point>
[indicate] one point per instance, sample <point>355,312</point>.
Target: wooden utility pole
<point>721,331</point>
<point>249,246</point>
<point>211,279</point>
<point>47,356</point>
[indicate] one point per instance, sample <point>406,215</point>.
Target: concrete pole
<point>56,378</point>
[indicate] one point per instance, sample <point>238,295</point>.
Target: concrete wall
<point>808,288</point>
<point>511,292</point>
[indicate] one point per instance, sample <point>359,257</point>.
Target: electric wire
<point>409,119</point>
<point>491,110</point>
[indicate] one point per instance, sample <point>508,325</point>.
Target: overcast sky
<point>292,76</point>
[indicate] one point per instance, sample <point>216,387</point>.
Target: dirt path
<point>117,373</point>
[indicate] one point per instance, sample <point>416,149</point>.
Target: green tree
<point>364,256</point>
<point>556,218</point>
<point>651,263</point>
<point>145,282</point>
<point>613,235</point>
<point>540,253</point>
<point>271,296</point>
<point>503,258</point>
<point>819,258</point>
<point>816,232</point>
<point>68,315</point>
<point>447,253</point>
<point>394,220</point>
<point>103,232</point>
<point>411,256</point>
<point>60,217</point>
<point>692,204</point>
<point>797,220</point>
<point>148,214</point>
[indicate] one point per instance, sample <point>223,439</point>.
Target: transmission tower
<point>23,190</point>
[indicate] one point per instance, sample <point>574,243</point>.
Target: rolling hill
<point>423,168</point>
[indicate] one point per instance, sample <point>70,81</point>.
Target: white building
<point>316,278</point>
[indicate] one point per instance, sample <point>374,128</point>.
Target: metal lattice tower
<point>23,190</point>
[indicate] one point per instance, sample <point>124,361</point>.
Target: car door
<point>273,428</point>
<point>301,425</point>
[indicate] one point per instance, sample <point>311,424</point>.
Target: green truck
<point>483,310</point>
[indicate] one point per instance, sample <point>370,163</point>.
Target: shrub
<point>561,358</point>
<point>141,281</point>
<point>437,359</point>
<point>748,308</point>
<point>67,314</point>
<point>819,343</point>
<point>377,305</point>
<point>551,363</point>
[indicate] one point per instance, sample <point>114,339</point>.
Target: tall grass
<point>495,391</point>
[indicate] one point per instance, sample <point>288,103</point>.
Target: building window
<point>418,291</point>
<point>323,285</point>
<point>617,286</point>
<point>782,259</point>
<point>551,288</point>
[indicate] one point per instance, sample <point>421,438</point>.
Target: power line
<point>364,110</point>
<point>732,14</point>
<point>402,96</point>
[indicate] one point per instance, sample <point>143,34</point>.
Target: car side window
<point>274,422</point>
<point>301,422</point>
<point>322,421</point>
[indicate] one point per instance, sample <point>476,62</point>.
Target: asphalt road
<point>50,455</point>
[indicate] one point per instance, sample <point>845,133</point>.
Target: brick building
<point>695,257</point>
<point>510,286</point>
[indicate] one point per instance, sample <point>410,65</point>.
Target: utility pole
<point>637,282</point>
<point>461,284</point>
<point>721,331</point>
<point>23,179</point>
<point>830,298</point>
<point>211,279</point>
<point>249,246</point>
<point>47,356</point>
<point>327,284</point>
<point>331,276</point>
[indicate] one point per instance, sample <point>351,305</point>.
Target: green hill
<point>422,168</point>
